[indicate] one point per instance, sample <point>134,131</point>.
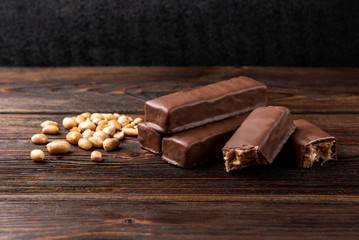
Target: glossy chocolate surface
<point>188,109</point>
<point>149,139</point>
<point>305,134</point>
<point>266,127</point>
<point>199,145</point>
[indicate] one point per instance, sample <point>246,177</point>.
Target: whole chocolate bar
<point>148,138</point>
<point>199,145</point>
<point>310,144</point>
<point>259,139</point>
<point>188,109</point>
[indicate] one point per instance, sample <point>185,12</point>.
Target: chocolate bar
<point>259,139</point>
<point>148,138</point>
<point>188,109</point>
<point>199,145</point>
<point>310,144</point>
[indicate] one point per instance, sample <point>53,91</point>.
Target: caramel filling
<point>318,151</point>
<point>236,159</point>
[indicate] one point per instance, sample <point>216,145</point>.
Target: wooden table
<point>134,194</point>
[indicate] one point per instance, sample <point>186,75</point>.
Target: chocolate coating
<point>266,127</point>
<point>149,139</point>
<point>188,109</point>
<point>305,134</point>
<point>199,145</point>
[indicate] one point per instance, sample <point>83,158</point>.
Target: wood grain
<point>133,194</point>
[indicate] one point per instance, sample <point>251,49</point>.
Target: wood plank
<point>125,89</point>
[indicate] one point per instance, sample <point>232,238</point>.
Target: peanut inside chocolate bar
<point>236,159</point>
<point>311,144</point>
<point>259,139</point>
<point>318,151</point>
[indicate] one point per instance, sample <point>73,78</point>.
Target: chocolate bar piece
<point>310,144</point>
<point>188,109</point>
<point>259,139</point>
<point>199,145</point>
<point>149,139</point>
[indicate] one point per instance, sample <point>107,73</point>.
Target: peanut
<point>96,142</point>
<point>116,124</point>
<point>79,119</point>
<point>69,123</point>
<point>110,144</point>
<point>124,120</point>
<point>75,129</point>
<point>73,137</point>
<point>130,125</point>
<point>37,155</point>
<point>110,130</point>
<point>58,146</point>
<point>108,116</point>
<point>50,129</point>
<point>130,131</point>
<point>48,122</point>
<point>98,120</point>
<point>96,156</point>
<point>119,135</point>
<point>88,133</point>
<point>85,144</point>
<point>137,120</point>
<point>97,115</point>
<point>39,138</point>
<point>87,125</point>
<point>101,134</point>
<point>86,114</point>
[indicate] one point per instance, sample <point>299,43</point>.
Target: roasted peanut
<point>39,138</point>
<point>98,120</point>
<point>101,134</point>
<point>116,115</point>
<point>137,120</point>
<point>119,135</point>
<point>108,116</point>
<point>124,120</point>
<point>75,129</point>
<point>110,130</point>
<point>48,122</point>
<point>79,119</point>
<point>130,131</point>
<point>86,114</point>
<point>116,124</point>
<point>50,129</point>
<point>96,156</point>
<point>98,128</point>
<point>130,125</point>
<point>97,115</point>
<point>69,123</point>
<point>73,137</point>
<point>96,142</point>
<point>110,144</point>
<point>86,125</point>
<point>88,133</point>
<point>85,144</point>
<point>37,155</point>
<point>58,146</point>
<point>102,122</point>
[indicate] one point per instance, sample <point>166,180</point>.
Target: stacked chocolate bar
<point>191,127</point>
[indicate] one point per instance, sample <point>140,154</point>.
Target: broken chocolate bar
<point>148,138</point>
<point>259,139</point>
<point>199,145</point>
<point>310,144</point>
<point>188,109</point>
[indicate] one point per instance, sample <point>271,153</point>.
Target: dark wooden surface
<point>135,195</point>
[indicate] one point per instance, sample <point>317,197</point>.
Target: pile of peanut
<point>97,130</point>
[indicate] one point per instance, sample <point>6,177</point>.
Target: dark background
<point>179,32</point>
